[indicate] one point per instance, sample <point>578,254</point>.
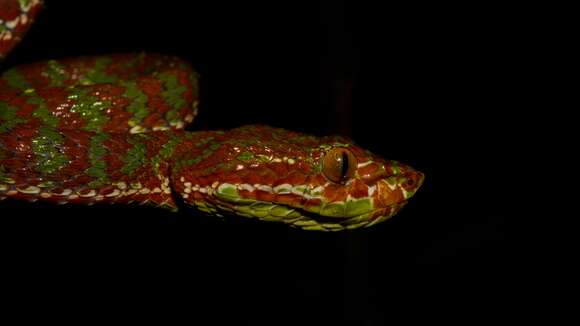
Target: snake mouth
<point>295,216</point>
<point>306,210</point>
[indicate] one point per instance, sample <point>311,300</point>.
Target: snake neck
<point>75,166</point>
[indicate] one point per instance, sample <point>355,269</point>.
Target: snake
<point>112,129</point>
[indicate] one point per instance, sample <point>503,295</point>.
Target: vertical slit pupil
<point>344,165</point>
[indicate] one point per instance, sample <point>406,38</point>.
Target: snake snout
<point>412,181</point>
<point>399,188</point>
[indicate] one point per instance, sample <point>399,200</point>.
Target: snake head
<point>315,183</point>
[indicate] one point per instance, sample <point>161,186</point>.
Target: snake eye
<point>338,165</point>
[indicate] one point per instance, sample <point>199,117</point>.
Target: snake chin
<point>310,222</point>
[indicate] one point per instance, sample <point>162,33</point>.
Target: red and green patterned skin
<point>16,16</point>
<point>109,129</point>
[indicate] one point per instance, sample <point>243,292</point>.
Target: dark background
<point>440,87</point>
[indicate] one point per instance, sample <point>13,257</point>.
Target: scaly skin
<point>109,129</point>
<point>16,16</point>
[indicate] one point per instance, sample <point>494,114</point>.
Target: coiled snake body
<point>109,129</point>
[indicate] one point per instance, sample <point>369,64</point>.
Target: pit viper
<point>110,129</point>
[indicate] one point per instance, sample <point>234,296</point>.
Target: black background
<point>440,87</point>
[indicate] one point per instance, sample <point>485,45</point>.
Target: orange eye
<point>338,165</point>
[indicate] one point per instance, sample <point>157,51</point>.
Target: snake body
<point>109,129</point>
